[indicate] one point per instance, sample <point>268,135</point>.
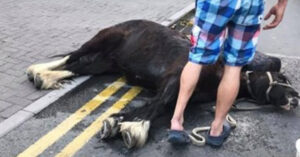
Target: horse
<point>152,56</point>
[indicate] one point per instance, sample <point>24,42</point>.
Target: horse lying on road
<point>152,56</point>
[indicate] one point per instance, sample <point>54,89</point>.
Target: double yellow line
<point>51,137</point>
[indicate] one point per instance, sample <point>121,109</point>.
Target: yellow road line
<point>51,137</point>
<point>90,131</point>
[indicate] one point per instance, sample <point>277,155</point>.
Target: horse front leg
<point>134,125</point>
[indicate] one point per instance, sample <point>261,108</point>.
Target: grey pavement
<point>32,31</point>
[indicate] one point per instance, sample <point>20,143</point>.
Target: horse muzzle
<point>292,103</point>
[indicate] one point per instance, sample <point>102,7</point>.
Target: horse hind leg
<point>51,79</point>
<point>34,69</point>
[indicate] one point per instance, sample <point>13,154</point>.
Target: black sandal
<point>178,137</point>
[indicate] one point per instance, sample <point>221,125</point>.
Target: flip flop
<point>217,141</point>
<point>177,137</point>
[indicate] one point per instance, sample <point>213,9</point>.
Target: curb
<point>178,15</point>
<point>21,116</point>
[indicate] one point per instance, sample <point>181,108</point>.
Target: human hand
<point>278,11</point>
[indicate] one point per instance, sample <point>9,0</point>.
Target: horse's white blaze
<point>138,130</point>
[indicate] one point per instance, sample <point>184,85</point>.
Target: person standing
<point>235,25</point>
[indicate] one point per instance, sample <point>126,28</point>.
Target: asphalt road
<point>268,132</point>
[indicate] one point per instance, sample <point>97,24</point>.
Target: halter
<point>271,84</point>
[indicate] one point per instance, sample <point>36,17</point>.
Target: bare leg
<point>227,93</point>
<point>188,81</point>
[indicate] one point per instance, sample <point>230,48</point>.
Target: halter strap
<point>248,83</point>
<point>271,84</point>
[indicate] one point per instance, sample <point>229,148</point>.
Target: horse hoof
<point>38,82</point>
<point>128,139</point>
<point>30,76</point>
<point>135,133</point>
<point>105,130</point>
<point>110,128</point>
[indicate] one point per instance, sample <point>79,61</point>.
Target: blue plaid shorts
<point>233,25</point>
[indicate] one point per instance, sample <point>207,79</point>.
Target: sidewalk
<point>31,31</point>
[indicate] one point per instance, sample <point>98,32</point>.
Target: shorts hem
<point>236,64</point>
<point>201,62</point>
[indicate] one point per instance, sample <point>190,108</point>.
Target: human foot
<point>176,124</point>
<point>217,141</point>
<point>176,135</point>
<point>216,129</point>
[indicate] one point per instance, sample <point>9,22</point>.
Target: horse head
<point>272,88</point>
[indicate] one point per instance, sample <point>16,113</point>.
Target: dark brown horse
<point>153,56</point>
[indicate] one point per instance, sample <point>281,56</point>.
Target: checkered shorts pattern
<point>233,25</point>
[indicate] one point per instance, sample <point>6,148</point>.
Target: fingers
<point>277,11</point>
<point>268,15</point>
<point>273,24</point>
